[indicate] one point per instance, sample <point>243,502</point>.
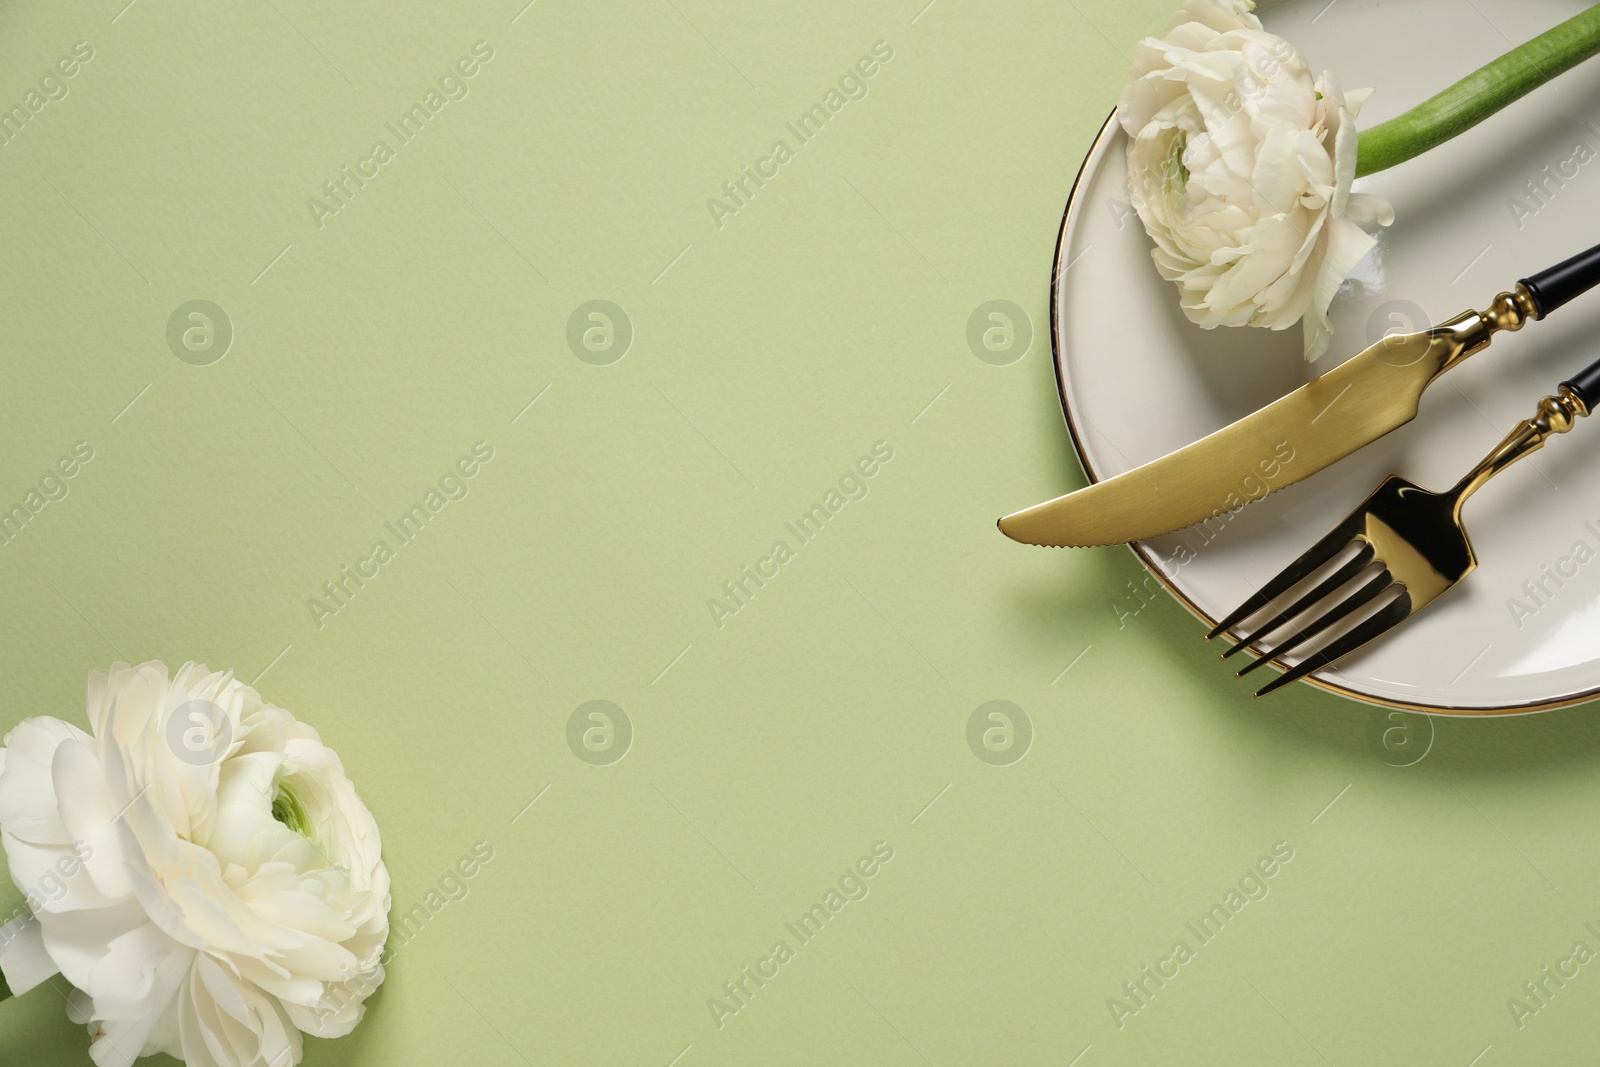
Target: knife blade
<point>1318,424</point>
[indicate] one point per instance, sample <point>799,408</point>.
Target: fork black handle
<point>1571,278</point>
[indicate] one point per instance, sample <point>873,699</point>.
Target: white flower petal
<point>1218,15</point>
<point>85,808</point>
<point>1347,245</point>
<point>23,959</point>
<point>27,801</point>
<point>118,1041</point>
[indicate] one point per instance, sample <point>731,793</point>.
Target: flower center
<point>1177,177</point>
<point>287,809</point>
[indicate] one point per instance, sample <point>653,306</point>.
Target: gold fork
<point>1410,548</point>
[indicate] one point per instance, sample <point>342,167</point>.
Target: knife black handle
<point>1586,385</point>
<point>1574,277</point>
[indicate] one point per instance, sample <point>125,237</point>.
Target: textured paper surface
<point>770,747</point>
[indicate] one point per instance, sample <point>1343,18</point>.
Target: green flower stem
<point>1480,94</point>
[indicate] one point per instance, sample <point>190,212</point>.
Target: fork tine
<point>1392,614</point>
<point>1349,570</point>
<point>1308,561</point>
<point>1364,595</point>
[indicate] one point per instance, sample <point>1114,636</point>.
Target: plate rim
<point>1069,219</point>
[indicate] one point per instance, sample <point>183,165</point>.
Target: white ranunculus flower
<point>1240,165</point>
<point>199,868</point>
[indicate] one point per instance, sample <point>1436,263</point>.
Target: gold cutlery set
<point>1396,553</point>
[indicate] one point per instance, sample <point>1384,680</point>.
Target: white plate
<point>1138,380</point>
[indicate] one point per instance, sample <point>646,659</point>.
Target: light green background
<point>831,712</point>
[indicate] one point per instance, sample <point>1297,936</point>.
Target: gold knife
<point>1292,438</point>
